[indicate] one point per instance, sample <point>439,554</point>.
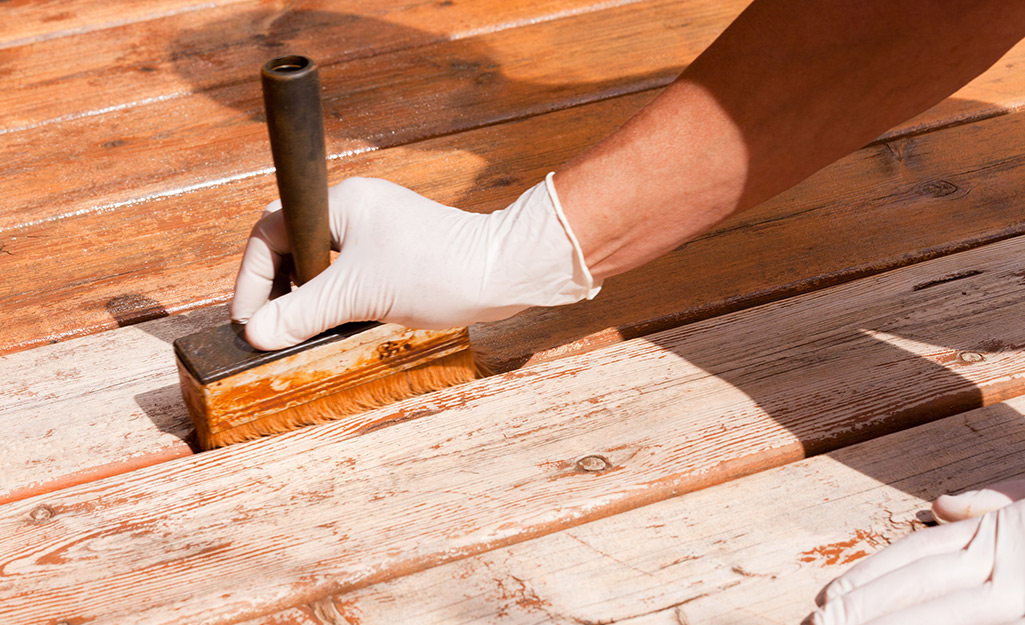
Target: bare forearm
<point>789,88</point>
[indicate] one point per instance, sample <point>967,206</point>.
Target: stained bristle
<point>442,373</point>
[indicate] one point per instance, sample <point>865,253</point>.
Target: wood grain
<point>201,51</point>
<point>162,146</point>
<point>168,51</point>
<point>26,21</point>
<point>97,406</point>
<point>31,21</point>
<point>753,551</point>
<point>152,202</point>
<point>515,456</point>
<point>884,206</point>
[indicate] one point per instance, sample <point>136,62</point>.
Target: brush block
<point>228,384</point>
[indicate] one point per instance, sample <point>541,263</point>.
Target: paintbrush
<point>234,392</point>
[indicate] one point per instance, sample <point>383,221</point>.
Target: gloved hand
<point>968,571</point>
<point>409,260</point>
<point>973,503</point>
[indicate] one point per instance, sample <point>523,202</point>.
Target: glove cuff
<point>581,274</point>
<point>533,257</point>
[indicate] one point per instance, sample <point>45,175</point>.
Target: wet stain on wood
<point>862,544</point>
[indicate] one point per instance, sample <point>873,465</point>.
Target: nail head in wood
<point>970,357</point>
<point>593,464</point>
<point>41,514</point>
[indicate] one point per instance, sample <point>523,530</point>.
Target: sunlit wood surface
<point>710,440</point>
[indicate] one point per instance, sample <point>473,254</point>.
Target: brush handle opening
<point>295,125</point>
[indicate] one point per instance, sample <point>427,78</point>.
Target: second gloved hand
<point>969,571</point>
<point>409,260</point>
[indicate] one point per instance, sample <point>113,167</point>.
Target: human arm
<point>787,89</point>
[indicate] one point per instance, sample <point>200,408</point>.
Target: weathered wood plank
<point>885,205</point>
<point>200,51</point>
<point>98,406</point>
<point>39,20</point>
<point>165,146</point>
<point>327,512</point>
<point>121,252</point>
<point>191,242</point>
<point>198,47</point>
<point>754,551</point>
<point>27,21</point>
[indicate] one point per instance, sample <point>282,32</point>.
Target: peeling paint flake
<point>842,553</point>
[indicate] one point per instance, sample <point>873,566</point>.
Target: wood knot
<point>936,188</point>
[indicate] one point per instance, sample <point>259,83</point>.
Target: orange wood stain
<point>842,553</point>
<point>142,209</point>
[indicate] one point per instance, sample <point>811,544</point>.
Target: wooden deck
<point>711,440</point>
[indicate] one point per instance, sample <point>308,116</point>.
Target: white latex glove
<point>409,260</point>
<point>968,571</point>
<point>952,508</point>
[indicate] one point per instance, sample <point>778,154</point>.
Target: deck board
<point>39,20</point>
<point>754,551</point>
<point>327,511</point>
<point>906,200</point>
<point>114,396</point>
<point>195,178</point>
<point>101,405</point>
<point>27,21</point>
<point>164,146</point>
<point>201,52</point>
<point>882,293</point>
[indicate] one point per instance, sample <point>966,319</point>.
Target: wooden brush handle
<point>295,121</point>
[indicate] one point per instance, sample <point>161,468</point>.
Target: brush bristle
<point>442,373</point>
